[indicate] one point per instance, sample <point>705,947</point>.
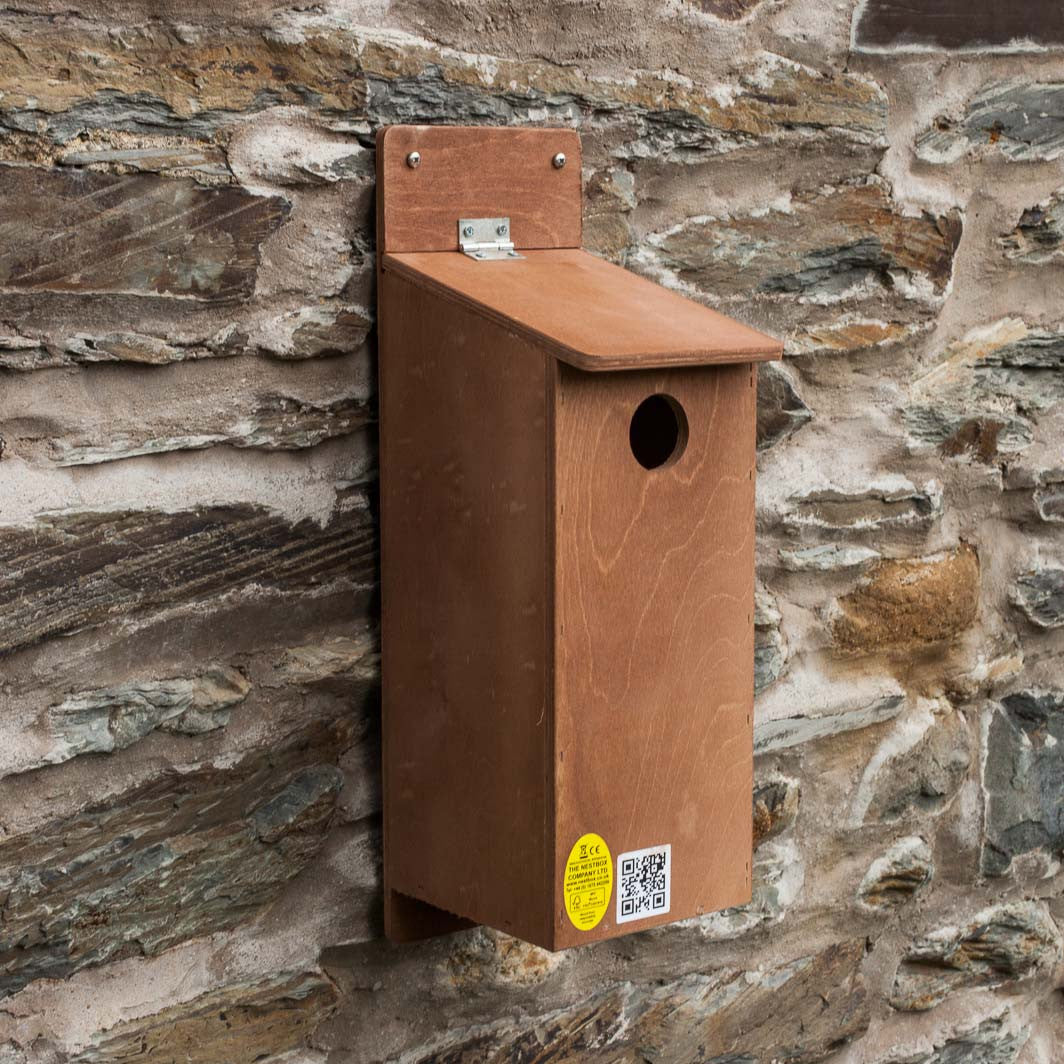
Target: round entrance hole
<point>658,433</point>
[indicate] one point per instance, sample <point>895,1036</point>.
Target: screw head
<point>559,160</point>
<point>467,231</point>
<point>413,160</point>
<point>500,230</point>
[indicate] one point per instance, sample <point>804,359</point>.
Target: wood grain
<point>466,615</point>
<point>654,588</point>
<point>476,172</point>
<point>588,312</point>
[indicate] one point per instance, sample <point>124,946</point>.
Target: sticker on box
<point>644,883</point>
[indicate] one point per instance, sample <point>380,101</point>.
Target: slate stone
<point>81,231</point>
<point>182,855</point>
<point>776,802</point>
<point>827,558</point>
<point>269,422</point>
<point>1002,944</point>
<point>644,115</point>
<point>895,25</point>
<point>1019,120</point>
<point>1039,234</point>
<point>238,1023</point>
<point>22,354</point>
<point>770,651</point>
<point>898,876</point>
<point>821,244</point>
<point>898,503</point>
<point>1039,595</point>
<point>801,1012</point>
<point>781,411</point>
<point>1023,779</point>
<point>111,718</point>
<point>71,572</point>
<point>923,775</point>
<point>806,727</point>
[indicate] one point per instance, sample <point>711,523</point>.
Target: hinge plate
<point>486,238</point>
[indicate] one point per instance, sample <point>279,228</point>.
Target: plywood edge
<point>762,349</point>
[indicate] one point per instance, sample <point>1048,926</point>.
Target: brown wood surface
<point>654,597</point>
<point>588,312</point>
<point>466,616</point>
<point>476,172</point>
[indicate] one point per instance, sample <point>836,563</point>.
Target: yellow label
<point>588,881</point>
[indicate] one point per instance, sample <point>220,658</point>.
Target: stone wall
<point>189,806</point>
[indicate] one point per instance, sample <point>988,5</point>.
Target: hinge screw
<point>501,230</point>
<point>559,160</point>
<point>413,160</point>
<point>467,231</point>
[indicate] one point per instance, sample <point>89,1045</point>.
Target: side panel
<point>465,617</point>
<point>654,636</point>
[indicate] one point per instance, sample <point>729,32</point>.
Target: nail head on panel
<point>413,160</point>
<point>559,160</point>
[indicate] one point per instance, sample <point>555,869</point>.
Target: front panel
<point>654,596</point>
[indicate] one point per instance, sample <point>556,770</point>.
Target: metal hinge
<point>486,238</point>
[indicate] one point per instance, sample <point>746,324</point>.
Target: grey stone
<point>1023,121</point>
<point>876,507</point>
<point>986,433</point>
<point>802,1012</point>
<point>827,558</point>
<point>1023,778</point>
<point>316,332</point>
<point>112,718</point>
<point>781,411</point>
<point>177,160</point>
<point>1050,503</point>
<point>783,733</point>
<point>989,1043</point>
<point>1002,944</point>
<point>921,776</point>
<point>770,651</point>
<point>1039,234</point>
<point>182,855</point>
<point>903,872</point>
<point>238,1022</point>
<point>1029,371</point>
<point>89,568</point>
<point>1039,595</point>
<point>24,354</point>
<point>272,423</point>
<point>778,876</point>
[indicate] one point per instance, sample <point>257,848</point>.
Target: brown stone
<point>68,573</point>
<point>80,231</point>
<point>776,802</point>
<point>999,945</point>
<point>238,1023</point>
<point>904,604</point>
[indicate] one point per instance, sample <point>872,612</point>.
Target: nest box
<point>567,506</point>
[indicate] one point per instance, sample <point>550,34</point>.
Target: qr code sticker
<point>643,883</point>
